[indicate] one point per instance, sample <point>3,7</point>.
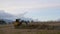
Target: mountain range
<point>9,17</point>
<point>4,15</point>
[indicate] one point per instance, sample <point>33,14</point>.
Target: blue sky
<point>44,14</point>
<point>37,9</point>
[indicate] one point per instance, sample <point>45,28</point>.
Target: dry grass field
<point>9,29</point>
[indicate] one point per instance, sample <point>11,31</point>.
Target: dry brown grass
<point>9,29</point>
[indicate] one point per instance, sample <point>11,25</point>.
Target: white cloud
<point>20,6</point>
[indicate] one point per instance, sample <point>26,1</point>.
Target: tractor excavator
<point>17,22</point>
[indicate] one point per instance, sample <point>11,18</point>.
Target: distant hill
<point>9,18</point>
<point>4,15</point>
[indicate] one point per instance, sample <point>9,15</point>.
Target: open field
<point>9,29</point>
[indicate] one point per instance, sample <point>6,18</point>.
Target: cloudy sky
<point>36,9</point>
